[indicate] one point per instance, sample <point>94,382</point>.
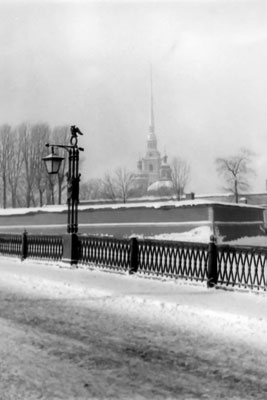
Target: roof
<point>160,185</point>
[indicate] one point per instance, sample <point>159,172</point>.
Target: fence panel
<point>45,247</point>
<point>242,266</point>
<point>236,265</point>
<point>106,252</point>
<point>10,245</point>
<point>173,259</point>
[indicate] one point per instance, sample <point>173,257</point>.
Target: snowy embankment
<point>115,206</point>
<point>260,241</point>
<point>199,235</point>
<point>203,234</point>
<point>163,298</point>
<point>80,334</point>
<point>157,220</point>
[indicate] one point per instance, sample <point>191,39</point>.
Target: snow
<point>148,204</point>
<point>260,241</point>
<point>160,185</point>
<point>84,333</point>
<point>200,235</point>
<point>129,294</point>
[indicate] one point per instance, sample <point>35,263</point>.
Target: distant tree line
<point>120,185</point>
<point>236,171</point>
<point>24,180</point>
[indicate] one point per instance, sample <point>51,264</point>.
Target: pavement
<point>252,304</point>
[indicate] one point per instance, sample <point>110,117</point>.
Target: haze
<point>88,63</point>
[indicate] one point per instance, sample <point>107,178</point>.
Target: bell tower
<point>152,160</point>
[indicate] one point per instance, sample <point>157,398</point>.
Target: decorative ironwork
<point>235,265</point>
<point>73,175</point>
<point>106,252</point>
<point>45,247</point>
<point>173,259</point>
<point>242,266</point>
<point>10,245</point>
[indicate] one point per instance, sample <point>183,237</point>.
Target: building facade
<point>152,169</point>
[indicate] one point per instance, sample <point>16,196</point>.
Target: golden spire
<point>151,116</point>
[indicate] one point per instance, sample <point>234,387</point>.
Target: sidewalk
<point>251,304</point>
<point>85,333</point>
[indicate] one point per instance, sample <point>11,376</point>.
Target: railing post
<point>133,256</point>
<point>24,245</point>
<point>70,248</point>
<point>212,263</point>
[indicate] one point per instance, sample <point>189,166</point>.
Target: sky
<point>87,63</point>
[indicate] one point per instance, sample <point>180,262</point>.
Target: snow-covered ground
<point>250,241</point>
<point>88,334</point>
<point>148,204</point>
<point>202,235</point>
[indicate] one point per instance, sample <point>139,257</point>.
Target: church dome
<point>158,185</point>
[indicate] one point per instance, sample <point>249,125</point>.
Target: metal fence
<point>31,246</point>
<point>11,245</point>
<point>217,264</point>
<point>105,252</point>
<point>173,259</point>
<point>44,247</point>
<point>242,266</point>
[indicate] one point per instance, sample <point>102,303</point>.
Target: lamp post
<point>52,163</point>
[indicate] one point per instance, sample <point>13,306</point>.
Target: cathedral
<point>153,171</point>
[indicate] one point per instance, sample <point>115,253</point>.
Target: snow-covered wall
<point>227,221</point>
<point>232,221</point>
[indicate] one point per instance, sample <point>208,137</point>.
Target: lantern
<point>52,162</point>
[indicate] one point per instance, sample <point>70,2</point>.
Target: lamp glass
<point>52,163</point>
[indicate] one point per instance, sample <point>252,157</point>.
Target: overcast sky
<point>87,63</point>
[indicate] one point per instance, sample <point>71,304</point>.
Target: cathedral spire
<point>151,116</point>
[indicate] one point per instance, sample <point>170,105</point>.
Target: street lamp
<point>52,163</point>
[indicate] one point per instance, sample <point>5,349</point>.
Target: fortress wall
<point>233,222</point>
<point>225,220</point>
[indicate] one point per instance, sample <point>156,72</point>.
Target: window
<point>150,168</point>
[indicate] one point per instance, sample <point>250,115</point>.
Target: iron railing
<point>217,264</point>
<point>242,266</point>
<point>45,247</point>
<point>11,245</point>
<point>105,252</point>
<point>173,259</point>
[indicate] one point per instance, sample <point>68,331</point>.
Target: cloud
<point>87,63</point>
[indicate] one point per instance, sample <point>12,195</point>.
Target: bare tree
<point>90,190</point>
<point>123,183</point>
<point>180,175</point>
<point>40,135</point>
<point>60,135</point>
<point>51,189</point>
<point>117,186</point>
<point>5,145</point>
<point>108,187</point>
<point>14,165</point>
<point>236,171</point>
<point>29,160</point>
<point>22,172</point>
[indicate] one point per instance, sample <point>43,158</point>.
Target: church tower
<point>152,160</point>
<point>153,171</point>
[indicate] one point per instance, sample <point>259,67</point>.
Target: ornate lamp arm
<point>73,177</point>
